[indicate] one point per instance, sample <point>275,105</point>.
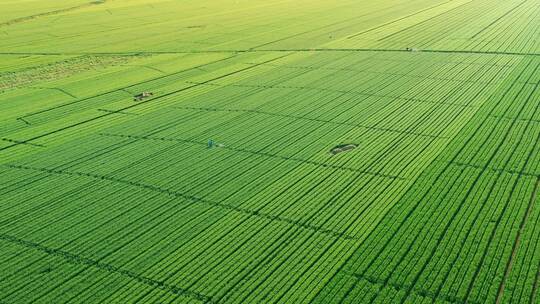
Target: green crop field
<point>279,151</point>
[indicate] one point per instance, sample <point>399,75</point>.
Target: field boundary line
<point>481,167</point>
<point>116,112</point>
<point>256,153</point>
<point>368,71</point>
<point>79,260</point>
<point>26,122</point>
<point>356,93</point>
<point>51,13</point>
<point>55,89</point>
<point>233,51</point>
<point>192,198</point>
<point>516,118</point>
<point>21,142</point>
<point>310,119</point>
